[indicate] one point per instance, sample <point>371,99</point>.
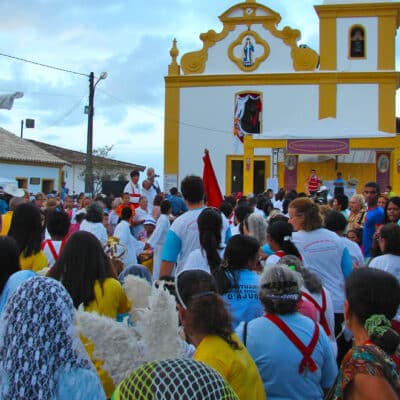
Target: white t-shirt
<point>133,189</point>
<point>272,259</point>
<point>329,314</point>
<point>389,263</point>
<point>322,252</point>
<point>95,228</point>
<point>140,215</point>
<point>182,238</point>
<point>49,254</point>
<point>133,246</point>
<point>197,259</point>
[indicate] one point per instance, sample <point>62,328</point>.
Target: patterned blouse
<point>367,359</point>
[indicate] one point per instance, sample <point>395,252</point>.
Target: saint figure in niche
<point>248,51</point>
<point>357,42</point>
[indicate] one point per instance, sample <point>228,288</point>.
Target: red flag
<point>211,187</point>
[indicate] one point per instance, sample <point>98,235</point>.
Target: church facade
<point>270,109</point>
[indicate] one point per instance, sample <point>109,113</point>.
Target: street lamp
<point>89,147</point>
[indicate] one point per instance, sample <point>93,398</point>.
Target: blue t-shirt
<point>278,359</point>
<point>373,217</point>
<point>243,302</point>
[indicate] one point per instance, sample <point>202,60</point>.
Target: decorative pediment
<point>250,14</point>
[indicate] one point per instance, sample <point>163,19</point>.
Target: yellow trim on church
<point>327,78</point>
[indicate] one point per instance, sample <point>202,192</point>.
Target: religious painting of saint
<point>247,119</point>
<point>248,50</point>
<point>383,163</point>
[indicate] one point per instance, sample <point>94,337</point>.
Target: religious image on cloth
<point>247,120</point>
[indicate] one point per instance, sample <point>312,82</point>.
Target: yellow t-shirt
<point>6,223</point>
<point>106,381</point>
<point>236,366</point>
<point>111,300</point>
<point>35,262</point>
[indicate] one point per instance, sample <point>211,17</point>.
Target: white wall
<point>370,63</point>
<point>357,104</point>
<point>207,121</point>
<point>13,171</point>
<point>278,61</point>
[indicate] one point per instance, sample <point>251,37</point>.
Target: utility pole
<point>89,147</point>
<point>89,143</point>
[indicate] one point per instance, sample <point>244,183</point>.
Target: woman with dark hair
<point>341,204</point>
<point>392,210</point>
<point>238,282</point>
<point>322,252</point>
<point>85,271</point>
<point>93,222</point>
<point>208,257</point>
<point>10,275</point>
<point>132,247</point>
<point>389,243</point>
<point>58,224</point>
<point>279,237</point>
<point>367,370</point>
<point>26,229</point>
<point>208,326</point>
<point>9,259</point>
<point>294,356</point>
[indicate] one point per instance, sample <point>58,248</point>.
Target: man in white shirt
<point>133,188</point>
<point>141,214</point>
<point>183,235</point>
<point>150,187</point>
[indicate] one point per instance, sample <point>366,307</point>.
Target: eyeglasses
<point>369,191</point>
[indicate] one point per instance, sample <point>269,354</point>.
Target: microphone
<point>156,176</point>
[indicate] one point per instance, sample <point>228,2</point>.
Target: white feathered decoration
<point>153,336</point>
<point>158,326</point>
<point>114,343</point>
<point>138,291</point>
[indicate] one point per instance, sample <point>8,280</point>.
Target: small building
<point>73,172</point>
<point>253,82</point>
<point>30,166</point>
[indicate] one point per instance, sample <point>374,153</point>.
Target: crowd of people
<point>278,295</point>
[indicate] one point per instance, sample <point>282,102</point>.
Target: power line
<point>43,65</point>
<point>69,112</point>
<point>204,128</point>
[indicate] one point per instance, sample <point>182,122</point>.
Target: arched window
<point>357,42</point>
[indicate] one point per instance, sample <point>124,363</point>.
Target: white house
<point>73,170</point>
<point>32,167</point>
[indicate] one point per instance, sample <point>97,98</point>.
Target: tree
<point>105,168</point>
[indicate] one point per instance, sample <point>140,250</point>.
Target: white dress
<point>156,241</point>
<point>133,246</point>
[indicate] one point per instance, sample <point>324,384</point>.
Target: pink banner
<point>318,146</point>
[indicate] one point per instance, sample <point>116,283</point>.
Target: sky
<point>128,39</point>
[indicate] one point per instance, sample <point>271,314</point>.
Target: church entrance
<point>235,174</point>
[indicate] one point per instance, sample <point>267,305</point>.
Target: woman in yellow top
<point>85,271</point>
<point>208,326</point>
<point>26,229</point>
